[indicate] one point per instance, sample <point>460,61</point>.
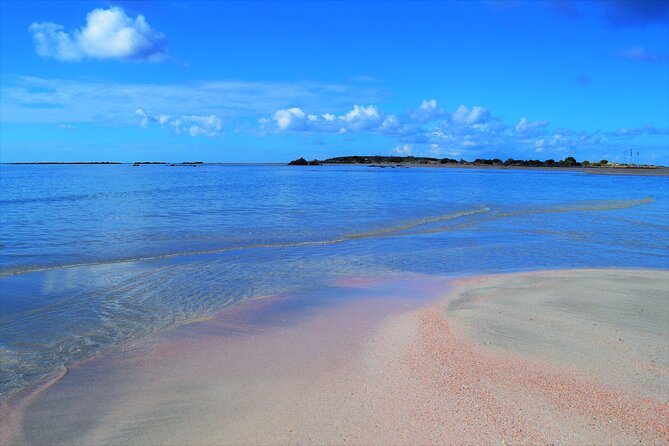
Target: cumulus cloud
<point>640,54</point>
<point>427,126</point>
<point>426,112</point>
<point>359,118</point>
<point>370,119</point>
<point>194,125</point>
<point>469,116</point>
<point>292,118</point>
<point>363,118</point>
<point>467,131</point>
<point>108,34</point>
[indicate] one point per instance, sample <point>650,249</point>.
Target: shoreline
<point>635,171</point>
<point>395,359</point>
<point>642,171</point>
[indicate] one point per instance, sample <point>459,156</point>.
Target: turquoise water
<point>95,256</point>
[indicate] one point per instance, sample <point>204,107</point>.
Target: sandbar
<point>550,357</point>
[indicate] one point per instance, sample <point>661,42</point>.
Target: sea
<point>93,257</point>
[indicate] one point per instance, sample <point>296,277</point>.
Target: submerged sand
<point>559,357</point>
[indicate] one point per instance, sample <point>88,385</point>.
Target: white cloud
<point>363,118</point>
<point>359,118</point>
<point>203,125</point>
<point>426,112</point>
<point>466,116</point>
<point>526,126</point>
<point>194,125</point>
<point>391,124</point>
<point>428,105</point>
<point>200,108</point>
<point>466,131</point>
<point>145,117</point>
<point>404,149</point>
<point>292,118</point>
<point>108,34</point>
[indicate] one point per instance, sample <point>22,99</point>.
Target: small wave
<point>413,224</point>
<point>604,205</point>
<point>397,230</point>
<point>348,237</point>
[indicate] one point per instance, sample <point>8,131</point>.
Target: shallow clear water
<point>94,256</point>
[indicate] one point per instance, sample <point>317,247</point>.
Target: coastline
<point>396,359</point>
<point>643,171</point>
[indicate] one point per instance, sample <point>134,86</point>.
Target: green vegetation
<point>380,161</point>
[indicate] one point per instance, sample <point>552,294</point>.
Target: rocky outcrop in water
<point>303,162</point>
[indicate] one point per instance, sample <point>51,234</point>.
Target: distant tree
<point>497,161</point>
<point>603,162</point>
<point>550,162</point>
<point>569,161</point>
<point>585,163</point>
<point>482,161</point>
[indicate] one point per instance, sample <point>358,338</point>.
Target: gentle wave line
<point>392,230</point>
<point>353,236</point>
<point>604,205</point>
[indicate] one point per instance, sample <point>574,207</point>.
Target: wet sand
<point>562,357</point>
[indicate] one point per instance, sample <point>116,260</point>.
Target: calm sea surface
<point>94,256</point>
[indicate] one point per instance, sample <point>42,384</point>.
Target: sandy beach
<point>551,357</point>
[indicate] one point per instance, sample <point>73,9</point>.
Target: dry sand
<point>562,357</point>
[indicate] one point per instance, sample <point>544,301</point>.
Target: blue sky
<point>255,81</point>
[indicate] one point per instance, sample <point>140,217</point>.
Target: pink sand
<point>380,370</point>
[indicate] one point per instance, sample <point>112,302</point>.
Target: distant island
<point>385,161</point>
<point>185,163</point>
<point>382,161</point>
<point>135,164</point>
<point>71,162</point>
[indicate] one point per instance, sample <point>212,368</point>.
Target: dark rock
<point>299,162</point>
